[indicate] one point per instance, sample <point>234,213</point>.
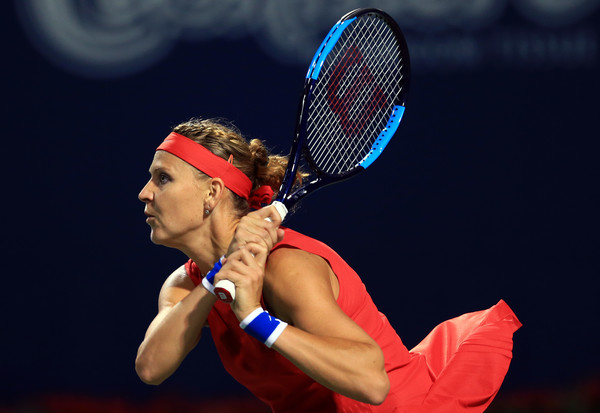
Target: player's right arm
<point>182,312</point>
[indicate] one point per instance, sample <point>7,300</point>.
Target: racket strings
<point>359,84</point>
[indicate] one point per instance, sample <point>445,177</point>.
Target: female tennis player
<point>303,334</point>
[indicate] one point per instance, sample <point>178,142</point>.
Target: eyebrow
<point>158,168</point>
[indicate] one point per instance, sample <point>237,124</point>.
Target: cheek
<point>188,209</point>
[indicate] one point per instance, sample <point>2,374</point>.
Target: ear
<point>216,191</point>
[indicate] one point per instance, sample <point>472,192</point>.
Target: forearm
<point>172,335</point>
<point>351,368</point>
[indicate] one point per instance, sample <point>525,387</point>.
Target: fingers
<point>251,255</point>
<point>258,252</point>
<point>254,228</point>
<point>280,235</point>
<point>245,268</point>
<point>270,213</point>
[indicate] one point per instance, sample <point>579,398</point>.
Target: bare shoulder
<point>301,288</point>
<point>293,268</point>
<point>175,288</point>
<point>288,259</point>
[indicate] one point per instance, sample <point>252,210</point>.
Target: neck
<point>206,248</point>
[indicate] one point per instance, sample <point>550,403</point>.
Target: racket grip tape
<point>225,289</point>
<point>281,208</point>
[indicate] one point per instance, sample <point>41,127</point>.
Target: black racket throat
<point>292,201</point>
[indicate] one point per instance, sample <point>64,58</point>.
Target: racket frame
<point>299,150</point>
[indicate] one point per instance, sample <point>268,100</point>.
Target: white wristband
<point>206,284</point>
<point>250,317</point>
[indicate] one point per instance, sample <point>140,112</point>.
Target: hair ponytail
<point>269,169</point>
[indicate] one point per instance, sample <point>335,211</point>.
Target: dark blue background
<point>488,191</point>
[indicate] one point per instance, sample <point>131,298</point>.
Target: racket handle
<point>225,289</point>
<point>281,208</point>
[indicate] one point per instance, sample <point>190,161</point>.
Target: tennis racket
<point>353,101</point>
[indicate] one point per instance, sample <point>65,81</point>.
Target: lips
<point>148,215</point>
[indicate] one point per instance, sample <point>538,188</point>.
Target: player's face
<point>174,200</point>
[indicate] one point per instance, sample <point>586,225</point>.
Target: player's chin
<point>159,237</point>
<point>156,237</point>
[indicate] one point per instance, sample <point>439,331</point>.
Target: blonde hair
<point>252,158</point>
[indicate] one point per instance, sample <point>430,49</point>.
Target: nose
<point>146,194</point>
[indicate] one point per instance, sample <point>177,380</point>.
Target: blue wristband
<point>263,327</point>
<point>209,281</point>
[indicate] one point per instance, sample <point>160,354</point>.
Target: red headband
<point>209,163</point>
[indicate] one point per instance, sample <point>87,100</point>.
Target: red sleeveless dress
<point>458,367</point>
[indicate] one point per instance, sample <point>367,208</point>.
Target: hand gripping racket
<point>353,100</point>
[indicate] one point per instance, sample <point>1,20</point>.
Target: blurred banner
<point>103,38</point>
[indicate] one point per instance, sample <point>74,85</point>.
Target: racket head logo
<point>354,115</point>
